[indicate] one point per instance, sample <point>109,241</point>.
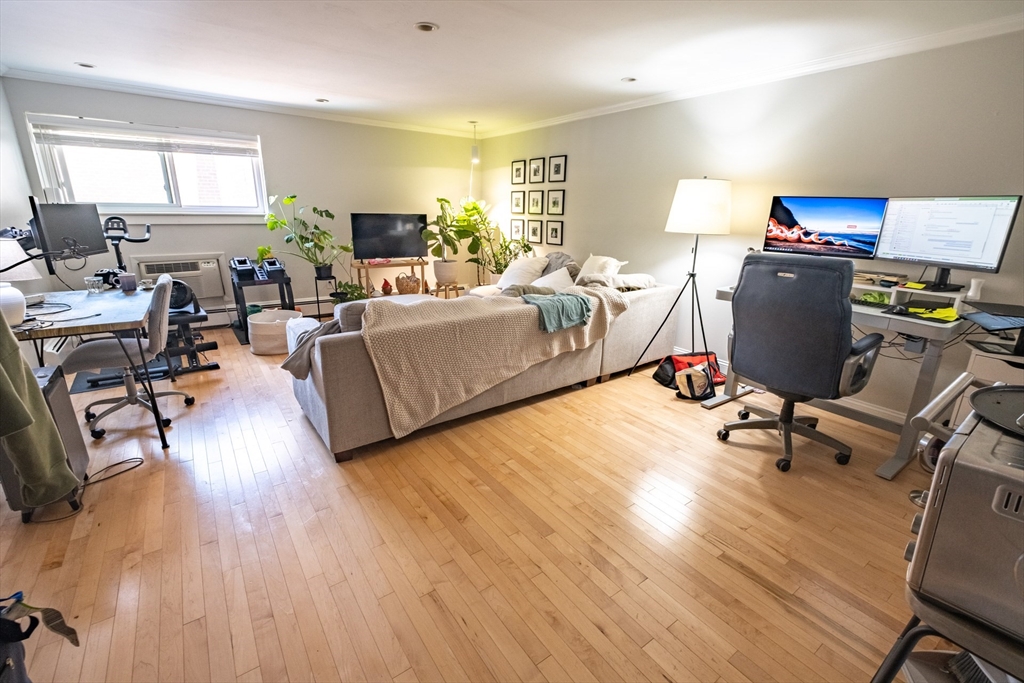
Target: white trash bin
<point>268,332</point>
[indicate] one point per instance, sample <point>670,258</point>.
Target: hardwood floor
<point>594,534</point>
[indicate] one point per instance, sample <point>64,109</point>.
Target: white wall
<point>945,122</point>
<point>340,166</point>
<point>14,188</point>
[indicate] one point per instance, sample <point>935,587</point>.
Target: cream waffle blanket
<point>438,354</point>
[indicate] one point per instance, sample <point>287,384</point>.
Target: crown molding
<point>874,53</point>
<point>202,98</point>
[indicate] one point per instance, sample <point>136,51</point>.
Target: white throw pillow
<point>600,265</point>
<point>485,290</point>
<point>522,271</point>
<point>560,280</point>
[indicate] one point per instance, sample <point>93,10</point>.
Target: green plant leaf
<point>290,199</point>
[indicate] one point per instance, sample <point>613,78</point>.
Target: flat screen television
<point>56,227</point>
<point>825,226</point>
<point>388,235</point>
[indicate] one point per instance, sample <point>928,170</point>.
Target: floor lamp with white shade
<point>701,206</point>
<point>15,266</point>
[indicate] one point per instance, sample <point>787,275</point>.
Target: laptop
<point>1012,310</point>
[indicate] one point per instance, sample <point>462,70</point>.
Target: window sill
<point>190,218</point>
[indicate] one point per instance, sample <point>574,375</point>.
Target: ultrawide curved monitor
<point>825,226</point>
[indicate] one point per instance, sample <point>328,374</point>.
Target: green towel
<point>560,311</point>
<point>29,434</point>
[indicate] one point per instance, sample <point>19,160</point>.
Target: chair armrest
<point>858,366</point>
<point>865,344</point>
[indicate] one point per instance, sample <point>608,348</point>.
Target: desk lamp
<point>701,206</point>
<point>15,266</point>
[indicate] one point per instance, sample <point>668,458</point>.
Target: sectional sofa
<point>342,396</point>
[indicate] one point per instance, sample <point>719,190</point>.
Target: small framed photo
<point>519,201</point>
<point>554,233</point>
<point>516,232</point>
<point>536,204</point>
<point>556,169</point>
<point>556,202</point>
<point>535,232</point>
<point>519,172</point>
<point>537,170</point>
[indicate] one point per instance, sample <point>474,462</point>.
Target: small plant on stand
<point>312,242</point>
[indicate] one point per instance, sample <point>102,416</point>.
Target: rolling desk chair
<point>107,352</point>
<point>791,334</point>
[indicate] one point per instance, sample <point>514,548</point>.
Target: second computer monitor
<point>59,227</point>
<point>966,233</point>
<point>825,226</point>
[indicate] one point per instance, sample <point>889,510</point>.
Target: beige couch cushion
<point>350,313</point>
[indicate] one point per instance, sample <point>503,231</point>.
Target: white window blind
<point>128,167</point>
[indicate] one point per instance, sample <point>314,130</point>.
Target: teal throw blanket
<point>560,311</point>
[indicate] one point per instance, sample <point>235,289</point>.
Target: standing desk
<point>109,311</point>
<point>935,336</point>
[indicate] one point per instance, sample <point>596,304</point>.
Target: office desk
<point>935,336</point>
<point>109,311</point>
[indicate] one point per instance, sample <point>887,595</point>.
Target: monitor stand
<point>941,283</point>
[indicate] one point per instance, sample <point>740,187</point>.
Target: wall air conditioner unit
<point>55,351</point>
<point>203,272</point>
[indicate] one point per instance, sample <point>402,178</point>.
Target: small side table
<point>447,288</point>
<point>316,285</point>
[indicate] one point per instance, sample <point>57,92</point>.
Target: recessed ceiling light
<point>85,66</point>
<point>426,26</point>
<point>321,99</point>
<point>628,79</point>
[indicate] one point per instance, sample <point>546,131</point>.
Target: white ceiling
<point>510,65</point>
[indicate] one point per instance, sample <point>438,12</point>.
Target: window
<point>130,168</point>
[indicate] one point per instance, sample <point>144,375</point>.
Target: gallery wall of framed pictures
<point>537,201</point>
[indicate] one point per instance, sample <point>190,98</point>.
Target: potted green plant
<point>349,291</point>
<point>451,230</point>
<point>495,255</point>
<point>312,242</point>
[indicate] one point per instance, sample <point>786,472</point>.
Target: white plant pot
<point>495,277</point>
<point>446,272</point>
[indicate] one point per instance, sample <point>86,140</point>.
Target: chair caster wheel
<point>743,414</point>
<point>97,433</point>
<point>723,435</point>
<point>166,422</point>
<point>26,516</point>
<point>75,505</point>
<point>782,464</point>
<point>842,458</point>
<point>189,400</point>
<point>89,416</point>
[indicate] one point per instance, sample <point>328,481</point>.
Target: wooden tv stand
<point>363,270</point>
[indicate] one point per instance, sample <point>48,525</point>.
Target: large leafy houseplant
<point>312,242</point>
<point>451,229</point>
<point>495,255</point>
<point>493,251</point>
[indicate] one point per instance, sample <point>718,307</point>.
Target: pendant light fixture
<point>474,158</point>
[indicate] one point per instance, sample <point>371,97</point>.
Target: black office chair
<point>791,334</point>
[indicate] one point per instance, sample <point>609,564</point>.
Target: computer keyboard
<point>869,304</point>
